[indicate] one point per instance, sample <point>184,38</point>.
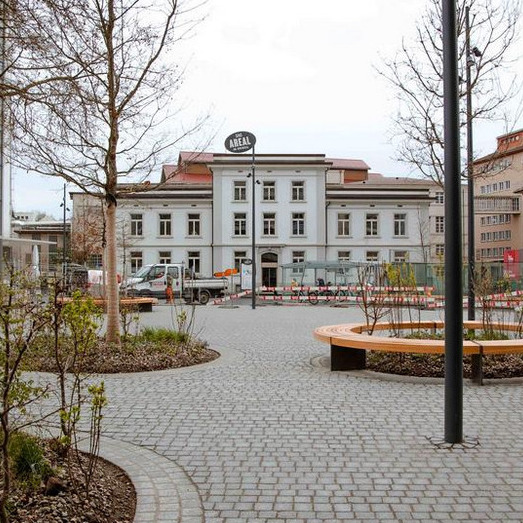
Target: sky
<point>299,74</point>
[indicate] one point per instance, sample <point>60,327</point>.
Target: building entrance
<point>269,269</point>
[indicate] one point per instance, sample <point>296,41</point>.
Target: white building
<point>307,208</point>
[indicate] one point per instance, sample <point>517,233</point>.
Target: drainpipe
<point>326,220</point>
<point>212,235</point>
<point>212,222</point>
<point>327,204</point>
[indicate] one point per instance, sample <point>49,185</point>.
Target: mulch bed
<point>112,498</point>
<point>428,365</point>
<point>132,357</point>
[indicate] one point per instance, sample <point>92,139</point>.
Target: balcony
<point>497,204</point>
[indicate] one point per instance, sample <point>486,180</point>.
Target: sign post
<point>241,142</point>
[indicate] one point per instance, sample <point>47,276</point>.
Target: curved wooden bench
<point>353,336</point>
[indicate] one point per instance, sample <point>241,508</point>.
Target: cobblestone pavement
<point>265,434</point>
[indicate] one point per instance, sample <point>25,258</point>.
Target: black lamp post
<point>240,142</point>
<point>453,239</point>
<point>64,242</point>
<point>470,55</point>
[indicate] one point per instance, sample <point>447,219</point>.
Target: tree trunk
<point>112,299</point>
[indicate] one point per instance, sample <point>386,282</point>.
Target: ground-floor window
<point>239,258</point>
<point>372,256</point>
<point>95,261</point>
<point>193,261</point>
<point>400,256</point>
<point>164,257</point>
<point>298,257</point>
<point>136,261</point>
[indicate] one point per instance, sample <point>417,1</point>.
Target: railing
<point>486,204</point>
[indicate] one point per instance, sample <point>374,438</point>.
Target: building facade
<point>32,229</point>
<point>306,208</point>
<point>498,183</point>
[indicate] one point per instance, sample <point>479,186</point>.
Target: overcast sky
<point>299,74</point>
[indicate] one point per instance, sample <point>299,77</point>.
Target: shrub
<point>28,461</point>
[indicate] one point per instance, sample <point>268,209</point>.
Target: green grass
<point>162,335</point>
<point>28,461</point>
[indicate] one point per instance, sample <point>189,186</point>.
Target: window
<point>269,191</point>
<point>240,192</point>
<point>343,256</point>
<point>193,225</point>
<point>298,223</point>
<point>298,257</point>
<point>440,197</point>
<point>136,261</point>
<point>164,257</point>
<point>193,261</point>
<point>269,224</point>
<point>440,224</point>
<point>372,256</point>
<point>298,191</point>
<point>400,256</point>
<point>136,224</point>
<point>400,224</point>
<point>343,224</point>
<point>95,261</point>
<point>239,258</point>
<point>53,247</point>
<point>440,249</point>
<point>240,224</point>
<point>165,224</point>
<point>371,224</point>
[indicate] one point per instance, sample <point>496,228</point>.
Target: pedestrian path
<point>266,433</point>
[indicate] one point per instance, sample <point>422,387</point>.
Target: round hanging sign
<point>240,142</point>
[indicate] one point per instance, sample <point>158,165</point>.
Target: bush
<point>28,461</point>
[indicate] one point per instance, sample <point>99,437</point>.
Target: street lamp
<point>470,54</point>
<point>240,142</point>
<point>453,242</point>
<point>64,242</point>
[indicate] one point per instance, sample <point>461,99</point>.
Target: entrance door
<point>269,267</point>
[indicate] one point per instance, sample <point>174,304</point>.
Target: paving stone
<point>265,433</point>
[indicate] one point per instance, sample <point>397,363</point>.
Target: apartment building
<point>498,183</point>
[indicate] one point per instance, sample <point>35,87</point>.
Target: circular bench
<point>350,341</point>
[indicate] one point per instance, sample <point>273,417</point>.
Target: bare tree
<point>104,126</point>
<point>416,74</point>
<point>26,61</point>
<point>423,229</point>
<point>87,234</point>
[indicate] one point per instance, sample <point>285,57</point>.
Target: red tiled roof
<point>348,164</point>
<point>195,157</point>
<point>191,178</point>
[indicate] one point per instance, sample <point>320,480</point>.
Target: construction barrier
<point>301,295</point>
